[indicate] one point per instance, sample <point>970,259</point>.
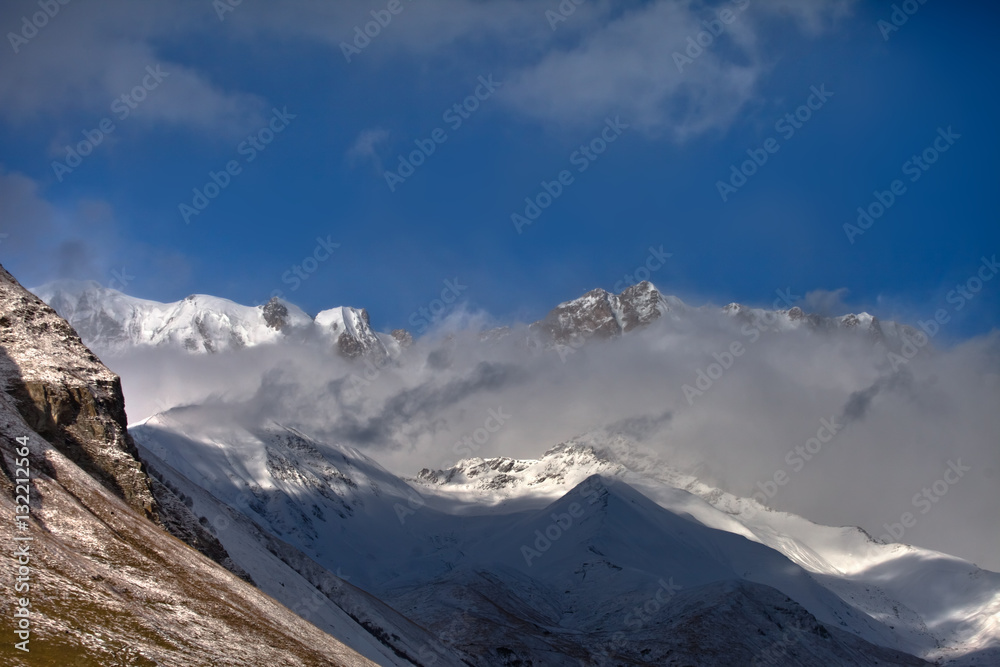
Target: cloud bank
<point>887,433</point>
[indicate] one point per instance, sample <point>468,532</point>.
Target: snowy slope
<point>575,572</point>
<point>325,598</point>
<point>463,535</point>
<point>299,516</point>
<point>938,606</point>
<point>112,322</point>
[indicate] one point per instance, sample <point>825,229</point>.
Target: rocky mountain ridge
<point>112,322</point>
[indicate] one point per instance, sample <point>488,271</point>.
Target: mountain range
<point>111,322</point>
<point>214,535</point>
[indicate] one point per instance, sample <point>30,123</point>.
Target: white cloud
<point>365,147</point>
<point>80,240</point>
<point>86,57</point>
<point>643,66</point>
<point>826,302</point>
<point>606,58</point>
<point>940,408</point>
<point>44,240</point>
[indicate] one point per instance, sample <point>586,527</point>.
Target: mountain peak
<point>601,314</point>
<point>111,322</point>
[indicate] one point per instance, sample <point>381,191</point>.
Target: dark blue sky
<point>656,184</point>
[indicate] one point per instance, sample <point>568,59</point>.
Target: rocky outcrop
<point>108,586</point>
<point>601,314</point>
<point>275,314</point>
<point>68,396</point>
<point>402,336</point>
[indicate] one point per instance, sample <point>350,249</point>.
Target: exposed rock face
<point>107,585</point>
<point>601,314</point>
<point>350,346</point>
<point>67,396</point>
<point>352,332</point>
<point>639,305</point>
<point>275,314</point>
<point>402,336</point>
<point>111,322</point>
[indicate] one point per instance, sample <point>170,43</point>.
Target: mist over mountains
<point>661,373</point>
<point>506,333</point>
<point>548,490</point>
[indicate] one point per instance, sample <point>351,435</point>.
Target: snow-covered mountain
<point>601,314</point>
<point>592,553</point>
<point>943,607</point>
<point>595,552</point>
<point>112,322</point>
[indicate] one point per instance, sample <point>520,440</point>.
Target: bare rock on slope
<point>67,395</point>
<point>107,585</point>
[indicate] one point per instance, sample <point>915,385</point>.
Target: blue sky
<point>116,217</point>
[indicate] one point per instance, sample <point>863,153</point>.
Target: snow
<point>401,539</point>
<point>111,322</point>
<point>297,509</point>
<point>106,583</point>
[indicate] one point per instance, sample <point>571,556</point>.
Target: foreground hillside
<point>108,585</point>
